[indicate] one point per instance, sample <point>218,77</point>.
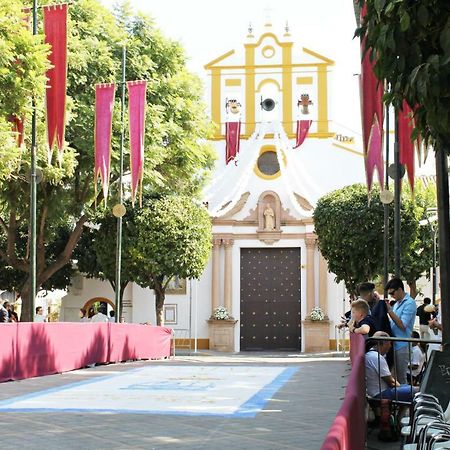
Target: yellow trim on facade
<point>232,82</point>
<point>266,35</point>
<point>268,81</point>
<point>268,51</point>
<point>220,58</point>
<point>266,66</point>
<point>348,149</point>
<point>286,77</point>
<point>322,99</point>
<point>249,89</point>
<point>245,136</point>
<point>262,150</point>
<point>318,56</point>
<point>304,80</point>
<point>216,99</point>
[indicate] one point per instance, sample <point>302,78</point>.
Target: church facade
<point>278,152</point>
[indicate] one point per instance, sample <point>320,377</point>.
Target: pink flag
<point>104,104</point>
<point>136,110</point>
<point>55,30</point>
<point>233,134</point>
<point>374,157</point>
<point>372,116</point>
<point>405,128</point>
<point>18,129</point>
<point>302,131</point>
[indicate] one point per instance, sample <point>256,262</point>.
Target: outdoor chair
<point>430,424</point>
<point>427,434</point>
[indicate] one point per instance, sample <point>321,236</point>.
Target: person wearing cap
<point>401,316</point>
<point>424,315</point>
<point>380,383</point>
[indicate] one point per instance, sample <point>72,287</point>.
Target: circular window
<point>268,163</point>
<point>268,51</point>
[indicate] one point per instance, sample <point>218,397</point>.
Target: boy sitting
<point>362,321</point>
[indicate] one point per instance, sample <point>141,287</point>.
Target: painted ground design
<point>231,391</point>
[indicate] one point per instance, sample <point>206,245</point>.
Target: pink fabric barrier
<point>35,349</point>
<point>134,341</point>
<point>348,430</point>
<point>8,332</point>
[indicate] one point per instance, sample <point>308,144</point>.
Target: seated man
<point>363,322</point>
<point>379,380</point>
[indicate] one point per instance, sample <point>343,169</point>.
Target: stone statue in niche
<point>269,218</point>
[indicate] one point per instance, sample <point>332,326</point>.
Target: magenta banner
<point>372,116</point>
<point>104,104</point>
<point>233,133</point>
<point>55,30</point>
<point>136,110</point>
<point>303,127</point>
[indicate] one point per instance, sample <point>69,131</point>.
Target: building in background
<point>278,151</point>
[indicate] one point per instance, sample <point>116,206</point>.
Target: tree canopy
<point>177,157</point>
<point>350,235</point>
<point>173,238</point>
<point>169,237</point>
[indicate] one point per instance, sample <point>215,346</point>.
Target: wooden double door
<point>270,316</point>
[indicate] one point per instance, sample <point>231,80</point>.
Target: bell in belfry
<point>268,104</point>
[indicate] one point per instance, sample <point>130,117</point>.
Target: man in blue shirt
<point>401,316</point>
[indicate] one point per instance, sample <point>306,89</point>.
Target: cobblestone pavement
<point>297,416</point>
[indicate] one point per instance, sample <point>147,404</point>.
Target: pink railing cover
<point>348,430</point>
<point>35,349</point>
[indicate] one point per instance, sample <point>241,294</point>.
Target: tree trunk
<point>412,288</point>
<point>26,313</point>
<point>444,239</point>
<point>160,296</point>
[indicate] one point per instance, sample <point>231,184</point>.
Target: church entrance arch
<point>90,303</point>
<point>270,299</point>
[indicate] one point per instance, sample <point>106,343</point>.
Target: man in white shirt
<point>379,381</point>
<point>100,316</point>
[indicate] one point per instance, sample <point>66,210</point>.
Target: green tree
<point>177,157</point>
<point>173,238</point>
<point>350,235</point>
<point>417,258</point>
<point>411,44</point>
<point>96,256</point>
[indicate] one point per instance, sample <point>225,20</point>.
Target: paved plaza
<point>205,401</point>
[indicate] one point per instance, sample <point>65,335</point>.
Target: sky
<point>209,28</point>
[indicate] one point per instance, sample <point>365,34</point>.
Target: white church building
<point>265,266</point>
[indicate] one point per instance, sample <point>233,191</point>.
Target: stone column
<point>310,278</point>
<point>215,273</point>
<point>228,243</point>
<point>323,283</point>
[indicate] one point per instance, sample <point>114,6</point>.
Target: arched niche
<point>269,199</point>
